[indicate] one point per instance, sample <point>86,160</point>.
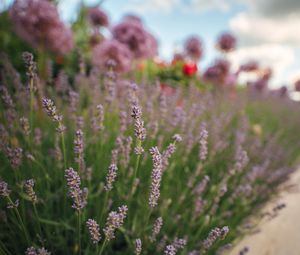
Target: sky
<point>267,30</point>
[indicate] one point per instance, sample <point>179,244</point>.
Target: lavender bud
<point>13,205</point>
<point>79,149</point>
<point>179,243</point>
<point>30,64</point>
<point>25,126</point>
<point>177,138</point>
<point>28,186</point>
<point>156,228</point>
<point>79,196</point>
<point>111,177</point>
<point>14,156</point>
<point>94,230</point>
<point>4,191</point>
<point>155,176</point>
<point>114,221</point>
<point>203,142</point>
<point>138,246</point>
<point>170,250</point>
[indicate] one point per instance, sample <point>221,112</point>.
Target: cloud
<point>274,7</point>
<point>276,56</point>
<point>143,6</point>
<point>254,29</point>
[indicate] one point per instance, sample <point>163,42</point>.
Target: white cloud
<point>276,56</point>
<point>254,29</point>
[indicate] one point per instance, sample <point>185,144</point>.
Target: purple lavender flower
<point>35,251</point>
<point>14,155</point>
<point>25,126</point>
<point>30,64</point>
<point>213,235</point>
<point>38,23</point>
<point>111,177</point>
<point>79,149</point>
<point>193,48</point>
<point>94,230</point>
<point>155,176</point>
<point>226,42</point>
<point>50,109</point>
<point>179,243</point>
<point>114,221</point>
<point>170,250</point>
<point>218,72</point>
<point>138,246</point>
<point>79,196</point>
<point>4,191</point>
<point>28,186</point>
<point>249,66</point>
<point>97,17</point>
<point>203,151</point>
<point>112,50</point>
<point>156,228</point>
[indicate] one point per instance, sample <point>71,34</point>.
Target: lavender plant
<point>138,173</point>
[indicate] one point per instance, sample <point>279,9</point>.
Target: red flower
<point>189,69</point>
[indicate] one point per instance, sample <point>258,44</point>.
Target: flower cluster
<point>79,196</point>
<point>28,186</point>
<point>97,17</point>
<point>94,230</point>
<point>38,23</point>
<point>114,221</point>
<point>193,48</point>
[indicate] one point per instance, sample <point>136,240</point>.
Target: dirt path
<point>281,235</point>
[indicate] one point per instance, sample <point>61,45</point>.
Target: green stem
<point>38,220</point>
<point>31,109</point>
<point>104,206</point>
<point>20,220</point>
<point>79,231</point>
<point>103,246</point>
<point>64,149</point>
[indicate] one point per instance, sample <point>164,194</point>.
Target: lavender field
<point>108,148</point>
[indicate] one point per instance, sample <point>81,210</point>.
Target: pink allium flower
<point>97,17</point>
<point>112,50</point>
<point>218,72</point>
<point>249,67</point>
<point>297,85</point>
<point>226,42</point>
<point>193,48</point>
<point>132,33</point>
<point>38,23</point>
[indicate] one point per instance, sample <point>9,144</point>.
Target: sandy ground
<point>281,235</point>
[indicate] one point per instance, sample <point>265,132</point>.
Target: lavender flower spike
<point>28,186</point>
<point>94,231</point>
<point>4,191</point>
<point>170,250</point>
<point>155,176</point>
<point>111,177</point>
<point>79,196</point>
<point>138,246</point>
<point>203,142</point>
<point>156,229</point>
<point>114,221</point>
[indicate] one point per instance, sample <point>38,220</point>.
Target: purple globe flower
<point>112,50</point>
<point>218,72</point>
<point>249,66</point>
<point>297,85</point>
<point>38,23</point>
<point>132,33</point>
<point>97,17</point>
<point>193,48</point>
<point>226,42</point>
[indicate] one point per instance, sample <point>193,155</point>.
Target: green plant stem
<point>20,221</point>
<point>38,219</point>
<point>104,206</point>
<point>63,144</point>
<point>79,231</point>
<point>103,246</point>
<point>31,109</point>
